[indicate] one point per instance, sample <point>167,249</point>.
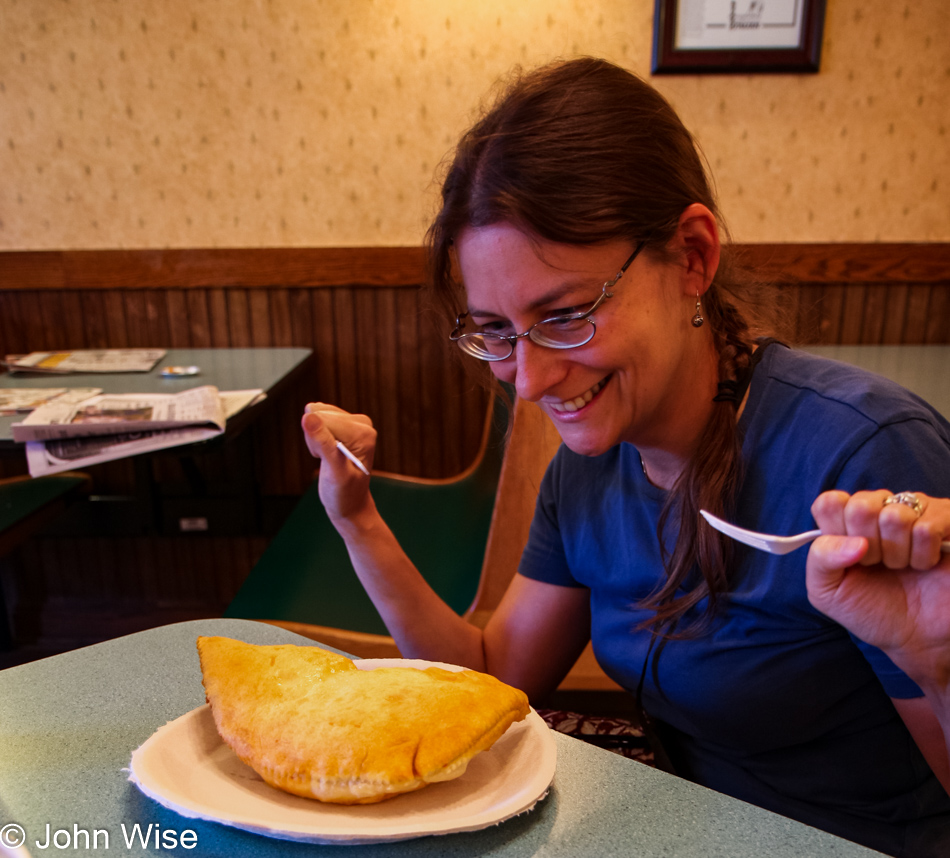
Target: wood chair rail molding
<point>194,268</point>
<point>404,266</point>
<point>851,263</point>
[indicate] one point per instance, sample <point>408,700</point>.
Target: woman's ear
<point>697,240</point>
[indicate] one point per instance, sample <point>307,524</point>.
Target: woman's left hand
<point>878,571</point>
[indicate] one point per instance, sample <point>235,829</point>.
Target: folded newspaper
<point>86,360</point>
<point>117,413</point>
<point>50,457</point>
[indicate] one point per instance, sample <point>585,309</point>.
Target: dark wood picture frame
<point>668,58</point>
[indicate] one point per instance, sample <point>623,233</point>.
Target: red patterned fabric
<point>613,734</point>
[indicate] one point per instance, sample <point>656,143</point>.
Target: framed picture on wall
<point>738,36</point>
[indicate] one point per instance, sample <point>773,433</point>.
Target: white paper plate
<point>186,767</point>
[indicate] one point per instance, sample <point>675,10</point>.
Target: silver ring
<point>907,499</point>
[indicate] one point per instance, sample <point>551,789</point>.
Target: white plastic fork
<point>768,542</point>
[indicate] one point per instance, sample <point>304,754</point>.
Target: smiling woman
<point>567,173</point>
<point>578,253</point>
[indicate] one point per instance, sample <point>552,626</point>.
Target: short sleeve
<point>544,558</point>
<point>897,684</point>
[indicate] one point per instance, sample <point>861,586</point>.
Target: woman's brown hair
<point>584,152</point>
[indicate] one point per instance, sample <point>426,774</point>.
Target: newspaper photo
<point>120,413</point>
<point>86,360</point>
<point>22,400</point>
<point>51,457</point>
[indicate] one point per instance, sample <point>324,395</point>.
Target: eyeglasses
<point>557,332</point>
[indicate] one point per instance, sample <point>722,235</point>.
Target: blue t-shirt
<point>774,703</point>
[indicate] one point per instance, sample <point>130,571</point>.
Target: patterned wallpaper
<point>165,123</point>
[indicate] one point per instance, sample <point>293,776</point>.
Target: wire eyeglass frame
<point>485,345</point>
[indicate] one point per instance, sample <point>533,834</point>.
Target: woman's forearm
<point>420,622</point>
<point>928,717</point>
<point>939,700</point>
<point>422,625</point>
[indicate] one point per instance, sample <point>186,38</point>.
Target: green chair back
<point>305,574</point>
<point>26,505</point>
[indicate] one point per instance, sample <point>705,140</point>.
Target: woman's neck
<point>664,468</point>
<point>676,435</point>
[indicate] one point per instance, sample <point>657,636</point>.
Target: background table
<point>925,370</point>
<point>222,499</point>
<point>69,724</point>
<point>226,369</point>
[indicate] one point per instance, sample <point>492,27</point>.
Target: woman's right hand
<point>343,488</point>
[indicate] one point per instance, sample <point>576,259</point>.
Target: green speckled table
<point>69,724</point>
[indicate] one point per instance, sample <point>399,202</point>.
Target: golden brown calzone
<point>311,723</point>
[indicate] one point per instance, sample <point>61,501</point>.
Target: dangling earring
<point>698,318</point>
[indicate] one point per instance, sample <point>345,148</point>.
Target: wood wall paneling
<point>378,350</point>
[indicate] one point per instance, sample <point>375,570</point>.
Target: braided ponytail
<point>710,481</point>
